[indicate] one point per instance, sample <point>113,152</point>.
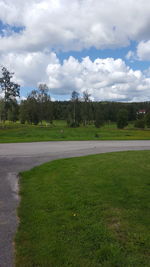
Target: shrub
<point>147,119</point>
<point>140,123</point>
<point>122,119</point>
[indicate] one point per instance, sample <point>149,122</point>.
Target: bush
<point>97,135</point>
<point>147,119</point>
<point>140,124</point>
<point>72,124</point>
<point>122,119</point>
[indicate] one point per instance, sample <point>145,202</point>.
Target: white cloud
<point>104,79</point>
<point>29,68</point>
<point>131,55</point>
<point>74,25</point>
<point>52,25</point>
<point>143,50</point>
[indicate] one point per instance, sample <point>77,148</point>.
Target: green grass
<point>59,131</point>
<point>86,212</point>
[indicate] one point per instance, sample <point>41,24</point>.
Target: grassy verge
<point>60,131</point>
<point>89,211</point>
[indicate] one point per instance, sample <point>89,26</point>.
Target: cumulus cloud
<point>105,79</point>
<point>74,25</point>
<point>29,68</point>
<point>142,52</point>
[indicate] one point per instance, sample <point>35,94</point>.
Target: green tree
<point>23,114</point>
<point>86,108</point>
<point>74,99</point>
<point>10,90</point>
<point>2,111</point>
<point>29,109</point>
<point>13,112</point>
<point>99,117</point>
<point>74,118</point>
<point>122,118</point>
<point>37,107</point>
<point>140,123</point>
<point>33,108</point>
<point>147,119</point>
<point>45,103</point>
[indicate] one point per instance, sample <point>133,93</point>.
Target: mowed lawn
<point>86,212</point>
<point>13,133</point>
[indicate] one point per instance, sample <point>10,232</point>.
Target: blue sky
<point>7,29</point>
<point>121,52</point>
<point>99,46</point>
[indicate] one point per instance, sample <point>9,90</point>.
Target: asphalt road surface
<point>23,156</point>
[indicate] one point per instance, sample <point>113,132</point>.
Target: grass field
<point>59,131</point>
<point>86,212</point>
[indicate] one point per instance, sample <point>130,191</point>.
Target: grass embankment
<point>89,211</point>
<point>59,131</point>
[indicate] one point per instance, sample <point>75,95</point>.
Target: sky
<point>98,46</point>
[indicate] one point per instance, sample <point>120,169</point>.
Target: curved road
<point>23,156</point>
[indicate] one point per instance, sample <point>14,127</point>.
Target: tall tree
<point>73,110</point>
<point>86,108</point>
<point>10,89</point>
<point>37,107</point>
<point>99,117</point>
<point>45,103</point>
<point>74,99</point>
<point>13,112</point>
<point>24,112</point>
<point>33,108</point>
<point>2,104</point>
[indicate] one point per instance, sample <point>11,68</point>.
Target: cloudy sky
<point>102,46</point>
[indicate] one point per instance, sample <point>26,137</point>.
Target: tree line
<point>79,110</point>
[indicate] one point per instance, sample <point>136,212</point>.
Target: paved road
<point>19,157</point>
